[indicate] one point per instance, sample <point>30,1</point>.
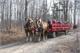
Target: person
<point>49,22</point>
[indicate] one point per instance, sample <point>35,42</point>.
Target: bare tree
<point>2,13</point>
<point>10,12</point>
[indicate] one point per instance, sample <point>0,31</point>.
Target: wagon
<point>59,27</point>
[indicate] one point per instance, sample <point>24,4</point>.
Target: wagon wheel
<point>54,34</point>
<point>66,32</point>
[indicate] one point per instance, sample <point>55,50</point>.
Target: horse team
<point>36,29</point>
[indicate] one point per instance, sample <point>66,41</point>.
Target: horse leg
<point>27,36</point>
<point>46,35</point>
<point>31,36</point>
<point>35,37</point>
<point>39,36</point>
<point>43,36</point>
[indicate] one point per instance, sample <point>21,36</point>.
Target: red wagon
<point>59,27</point>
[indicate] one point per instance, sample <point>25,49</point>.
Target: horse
<point>38,30</point>
<point>42,27</point>
<point>45,29</point>
<point>29,29</point>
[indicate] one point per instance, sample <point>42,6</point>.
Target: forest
<point>14,12</point>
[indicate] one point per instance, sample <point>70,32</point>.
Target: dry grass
<point>12,35</point>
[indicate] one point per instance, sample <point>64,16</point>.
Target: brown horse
<point>29,29</point>
<point>38,30</point>
<point>43,27</point>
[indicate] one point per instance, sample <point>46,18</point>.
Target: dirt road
<point>63,44</point>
